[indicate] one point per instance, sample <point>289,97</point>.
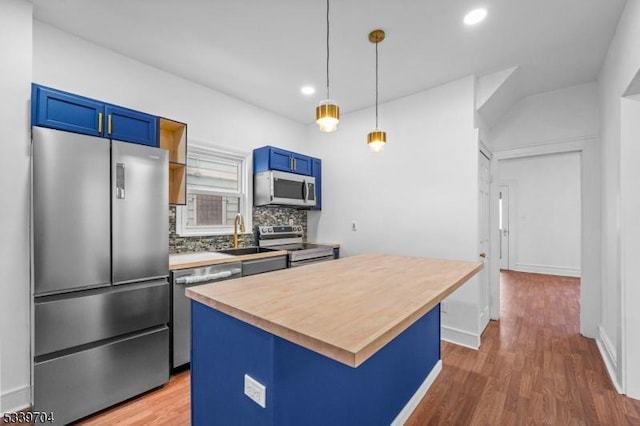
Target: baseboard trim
<point>547,270</point>
<point>460,337</point>
<point>16,399</point>
<point>609,356</point>
<point>410,407</point>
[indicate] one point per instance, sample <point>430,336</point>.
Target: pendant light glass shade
<point>377,139</point>
<point>328,115</point>
<point>327,112</point>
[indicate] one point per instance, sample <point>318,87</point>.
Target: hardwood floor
<point>533,368</point>
<point>168,405</point>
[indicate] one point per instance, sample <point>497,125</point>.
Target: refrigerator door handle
<point>120,181</point>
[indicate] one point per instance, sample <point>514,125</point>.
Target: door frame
<point>484,151</point>
<point>511,216</point>
<point>588,149</point>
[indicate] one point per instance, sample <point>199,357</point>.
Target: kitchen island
<point>353,341</point>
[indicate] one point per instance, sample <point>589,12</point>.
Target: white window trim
<point>246,202</point>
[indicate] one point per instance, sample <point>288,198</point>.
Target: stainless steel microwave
<point>284,189</point>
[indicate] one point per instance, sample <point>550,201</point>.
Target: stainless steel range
<point>289,238</point>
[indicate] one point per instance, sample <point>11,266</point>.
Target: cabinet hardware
<point>99,122</point>
<point>109,124</point>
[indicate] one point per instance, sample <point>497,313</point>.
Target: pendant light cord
<point>328,49</point>
<point>376,85</point>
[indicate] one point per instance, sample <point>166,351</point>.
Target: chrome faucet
<point>238,222</point>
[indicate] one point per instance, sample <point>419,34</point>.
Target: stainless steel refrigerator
<point>100,272</point>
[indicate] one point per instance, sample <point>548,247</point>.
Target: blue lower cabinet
<point>65,111</point>
<point>302,386</point>
<point>131,126</point>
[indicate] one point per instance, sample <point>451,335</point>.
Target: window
<point>217,190</point>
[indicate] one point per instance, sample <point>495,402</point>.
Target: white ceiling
<point>263,51</point>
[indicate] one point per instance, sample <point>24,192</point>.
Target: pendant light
<point>377,138</point>
<point>327,112</point>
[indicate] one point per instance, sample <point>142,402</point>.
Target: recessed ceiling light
<point>475,16</point>
<point>308,90</point>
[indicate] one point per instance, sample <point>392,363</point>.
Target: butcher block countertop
<point>208,258</point>
<point>346,309</point>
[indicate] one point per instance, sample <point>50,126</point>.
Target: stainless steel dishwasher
<point>181,304</point>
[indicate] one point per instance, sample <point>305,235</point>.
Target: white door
<point>503,225</point>
<point>484,183</point>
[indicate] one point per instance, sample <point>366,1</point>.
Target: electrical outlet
<point>354,226</point>
<point>255,390</point>
<point>291,221</point>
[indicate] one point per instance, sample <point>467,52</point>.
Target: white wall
<point>545,198</point>
<point>15,80</point>
<point>68,63</point>
<point>619,339</point>
<point>416,197</point>
<point>65,62</point>
<point>551,117</point>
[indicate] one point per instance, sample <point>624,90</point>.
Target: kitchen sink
<point>245,250</point>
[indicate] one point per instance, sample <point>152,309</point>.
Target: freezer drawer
<point>76,385</point>
<point>79,318</point>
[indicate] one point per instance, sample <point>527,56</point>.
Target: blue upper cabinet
<point>316,172</point>
<point>301,164</point>
<point>64,111</point>
<point>271,158</point>
<point>278,159</point>
<point>131,126</point>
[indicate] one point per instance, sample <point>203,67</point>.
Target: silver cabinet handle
<point>120,194</point>
<point>294,164</point>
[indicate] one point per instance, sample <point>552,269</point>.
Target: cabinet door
<point>131,126</point>
<point>64,111</point>
<point>279,159</point>
<point>302,164</point>
<point>316,172</point>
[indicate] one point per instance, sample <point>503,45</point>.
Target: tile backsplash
<point>261,216</point>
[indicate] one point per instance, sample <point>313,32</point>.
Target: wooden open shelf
<point>173,137</point>
<point>177,183</point>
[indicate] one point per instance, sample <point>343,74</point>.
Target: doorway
<point>543,236</point>
<point>588,150</point>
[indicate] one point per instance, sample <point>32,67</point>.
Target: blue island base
<point>302,386</point>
